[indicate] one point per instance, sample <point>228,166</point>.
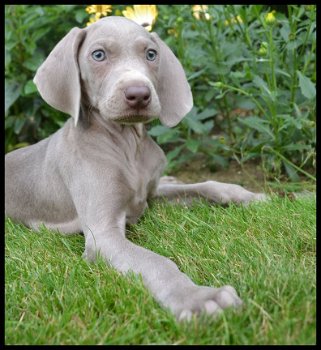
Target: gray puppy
<point>97,172</point>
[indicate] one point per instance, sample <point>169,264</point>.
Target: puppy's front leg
<point>217,192</point>
<point>172,288</point>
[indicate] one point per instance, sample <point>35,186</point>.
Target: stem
<point>216,56</point>
<point>246,94</point>
<point>294,55</point>
<point>269,38</point>
<point>271,50</point>
<point>310,55</point>
<point>289,162</point>
<point>245,34</point>
<point>246,38</point>
<point>271,81</point>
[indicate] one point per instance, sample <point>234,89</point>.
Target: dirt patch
<point>250,176</point>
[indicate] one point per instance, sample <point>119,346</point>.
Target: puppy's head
<point>118,68</point>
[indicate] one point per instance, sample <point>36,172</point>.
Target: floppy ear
<point>174,91</point>
<point>58,79</point>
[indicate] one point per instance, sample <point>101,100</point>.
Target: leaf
<point>9,121</point>
<point>280,71</point>
<point>19,145</point>
<point>168,137</point>
<point>7,58</point>
<point>208,126</point>
<point>257,124</point>
<point>238,74</point>
<point>11,44</point>
<point>219,68</point>
<point>158,130</point>
<point>163,134</point>
<point>297,147</point>
<point>18,125</point>
<point>192,113</point>
<point>174,153</point>
<point>245,103</point>
<point>33,62</point>
<point>210,94</point>
<point>289,121</point>
<point>259,82</point>
<point>285,31</point>
<point>291,172</point>
<point>307,86</point>
<point>29,88</point>
<point>80,15</point>
<point>208,112</point>
<point>292,45</point>
<point>31,17</point>
<point>195,125</point>
<point>233,60</point>
<point>39,33</point>
<point>193,145</point>
<point>196,74</point>
<point>12,92</point>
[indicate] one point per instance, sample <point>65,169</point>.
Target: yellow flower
<point>145,15</point>
<point>91,9</point>
<point>237,19</point>
<point>270,17</point>
<point>93,19</point>
<point>200,11</point>
<point>99,10</point>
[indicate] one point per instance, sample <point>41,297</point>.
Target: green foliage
<point>253,80</point>
<point>266,68</point>
<point>31,33</point>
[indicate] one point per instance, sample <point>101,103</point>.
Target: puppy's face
<point>119,64</point>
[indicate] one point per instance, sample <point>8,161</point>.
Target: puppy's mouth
<point>132,119</point>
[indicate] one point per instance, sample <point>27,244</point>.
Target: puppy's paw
<point>207,300</point>
<point>223,193</point>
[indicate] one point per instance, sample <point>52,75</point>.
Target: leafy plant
<point>252,71</point>
<point>29,38</point>
<point>247,58</point>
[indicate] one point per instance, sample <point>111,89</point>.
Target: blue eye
<point>98,55</point>
<point>151,55</point>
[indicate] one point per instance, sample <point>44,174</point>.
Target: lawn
<point>265,250</point>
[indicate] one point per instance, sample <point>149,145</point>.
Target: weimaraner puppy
<point>97,172</point>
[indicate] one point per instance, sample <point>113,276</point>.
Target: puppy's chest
<point>143,177</point>
<point>145,168</point>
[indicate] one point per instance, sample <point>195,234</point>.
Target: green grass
<point>266,251</point>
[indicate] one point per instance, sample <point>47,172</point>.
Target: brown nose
<point>137,96</point>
